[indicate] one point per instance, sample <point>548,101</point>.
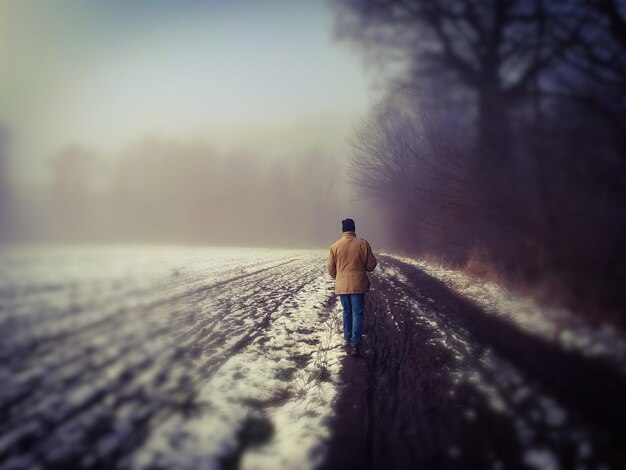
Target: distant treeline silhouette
<point>165,191</point>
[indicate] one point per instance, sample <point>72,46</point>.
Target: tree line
<point>165,191</point>
<point>501,142</point>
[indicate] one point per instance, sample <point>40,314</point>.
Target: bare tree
<point>416,165</point>
<point>492,50</point>
<point>593,72</point>
<point>536,179</point>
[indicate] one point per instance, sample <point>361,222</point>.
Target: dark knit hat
<point>347,225</point>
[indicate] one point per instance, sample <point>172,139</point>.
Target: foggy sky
<point>86,83</point>
<point>240,74</point>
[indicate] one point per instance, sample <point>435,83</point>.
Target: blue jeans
<point>352,317</point>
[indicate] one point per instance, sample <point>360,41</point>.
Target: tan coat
<point>349,258</point>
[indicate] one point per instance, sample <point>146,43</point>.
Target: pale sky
<point>254,75</point>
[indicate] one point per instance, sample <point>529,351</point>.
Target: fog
<point>162,191</point>
<point>200,123</point>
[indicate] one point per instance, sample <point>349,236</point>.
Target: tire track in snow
<point>145,301</point>
<point>109,325</point>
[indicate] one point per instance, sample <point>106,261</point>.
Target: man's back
<point>349,259</point>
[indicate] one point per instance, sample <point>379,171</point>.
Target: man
<point>349,259</point>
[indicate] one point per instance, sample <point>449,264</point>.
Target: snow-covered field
<point>200,358</point>
<point>165,357</point>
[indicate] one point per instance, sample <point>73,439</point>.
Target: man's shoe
<point>354,351</point>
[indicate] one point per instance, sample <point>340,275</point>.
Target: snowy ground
<point>165,357</point>
<point>561,326</point>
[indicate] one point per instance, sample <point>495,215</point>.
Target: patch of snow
<point>585,450</point>
<point>552,324</point>
<point>541,459</point>
<point>554,414</point>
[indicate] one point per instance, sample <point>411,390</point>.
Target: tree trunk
<point>493,128</point>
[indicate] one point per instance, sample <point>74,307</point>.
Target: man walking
<point>349,259</point>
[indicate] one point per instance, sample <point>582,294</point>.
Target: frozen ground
<point>455,376</point>
<point>163,357</point>
<point>570,331</point>
<point>167,358</point>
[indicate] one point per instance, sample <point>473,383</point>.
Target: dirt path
<point>443,385</point>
